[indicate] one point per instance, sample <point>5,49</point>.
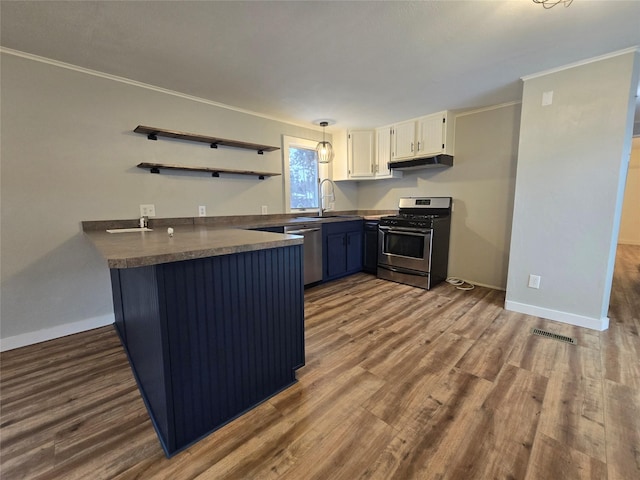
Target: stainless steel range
<point>413,246</point>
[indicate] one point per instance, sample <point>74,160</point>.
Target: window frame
<point>296,142</point>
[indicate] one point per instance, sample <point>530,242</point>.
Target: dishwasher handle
<point>301,231</point>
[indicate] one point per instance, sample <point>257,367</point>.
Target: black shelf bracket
<point>153,133</point>
<point>215,171</point>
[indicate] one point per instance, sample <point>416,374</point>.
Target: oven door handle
<point>405,231</point>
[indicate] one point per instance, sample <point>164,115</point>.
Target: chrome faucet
<point>321,196</point>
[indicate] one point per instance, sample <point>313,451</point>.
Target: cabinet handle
<point>418,146</point>
<point>412,147</point>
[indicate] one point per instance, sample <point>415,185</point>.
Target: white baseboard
<point>599,324</point>
<point>45,334</point>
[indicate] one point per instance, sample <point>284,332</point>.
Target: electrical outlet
<point>202,210</point>
<point>264,209</point>
<point>534,281</point>
<point>148,210</point>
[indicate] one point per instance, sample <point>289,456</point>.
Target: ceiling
<point>362,64</point>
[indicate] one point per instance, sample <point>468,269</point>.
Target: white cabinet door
<point>361,154</point>
<point>383,152</point>
<point>405,140</point>
<point>431,131</point>
<point>340,163</point>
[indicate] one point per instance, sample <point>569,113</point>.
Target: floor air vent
<point>554,336</point>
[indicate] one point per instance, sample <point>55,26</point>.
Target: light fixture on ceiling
<point>553,3</point>
<point>324,148</point>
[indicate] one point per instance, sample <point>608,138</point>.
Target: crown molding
<point>135,83</point>
<point>581,62</point>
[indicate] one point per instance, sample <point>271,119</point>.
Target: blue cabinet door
<point>370,249</point>
<point>337,255</point>
<point>354,251</point>
<point>342,248</point>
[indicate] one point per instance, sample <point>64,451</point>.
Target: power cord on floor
<point>460,284</point>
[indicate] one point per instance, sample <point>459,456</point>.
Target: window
<point>303,178</point>
<point>300,174</point>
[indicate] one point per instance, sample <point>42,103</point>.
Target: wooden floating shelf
<point>215,172</point>
<point>153,133</point>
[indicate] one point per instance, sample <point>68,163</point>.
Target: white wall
<point>571,169</point>
<point>481,182</point>
<point>630,220</point>
<point>69,154</point>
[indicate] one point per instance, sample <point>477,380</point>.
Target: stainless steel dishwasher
<point>312,251</point>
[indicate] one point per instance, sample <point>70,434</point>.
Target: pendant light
<point>324,148</point>
<point>552,3</point>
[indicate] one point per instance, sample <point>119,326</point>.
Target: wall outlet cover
<point>264,209</point>
<point>202,211</point>
<point>148,210</point>
<point>534,281</point>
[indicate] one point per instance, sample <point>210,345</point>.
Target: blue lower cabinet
<point>211,338</point>
<point>354,251</point>
<point>370,247</point>
<point>336,258</point>
<point>342,248</point>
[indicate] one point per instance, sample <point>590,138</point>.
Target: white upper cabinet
<point>384,153</point>
<point>427,135</point>
<point>431,130</point>
<point>365,154</point>
<point>405,142</point>
<point>361,154</point>
<point>368,153</point>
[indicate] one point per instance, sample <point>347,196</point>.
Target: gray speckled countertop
<point>193,238</point>
<point>137,249</point>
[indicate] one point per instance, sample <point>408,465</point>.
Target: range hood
<point>436,161</point>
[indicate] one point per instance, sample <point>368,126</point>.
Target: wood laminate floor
<point>399,383</point>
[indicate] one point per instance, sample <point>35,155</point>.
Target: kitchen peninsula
<point>212,320</point>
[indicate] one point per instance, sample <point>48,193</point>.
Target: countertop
<point>137,249</point>
<point>197,237</point>
<point>193,238</point>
